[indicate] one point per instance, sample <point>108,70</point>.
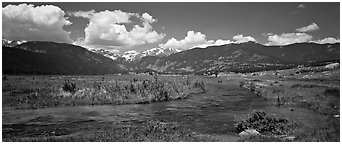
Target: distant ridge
<point>38,57</point>
<point>242,57</point>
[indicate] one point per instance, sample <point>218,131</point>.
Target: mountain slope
<point>158,52</point>
<point>130,55</point>
<point>241,57</point>
<point>54,58</point>
<point>60,58</point>
<point>107,53</point>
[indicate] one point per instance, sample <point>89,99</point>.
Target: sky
<point>121,27</point>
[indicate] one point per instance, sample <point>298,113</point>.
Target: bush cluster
<point>69,86</point>
<point>92,91</point>
<point>264,123</point>
<point>132,91</point>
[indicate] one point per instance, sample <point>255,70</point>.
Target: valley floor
<point>312,101</point>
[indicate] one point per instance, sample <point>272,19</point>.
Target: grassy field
<point>315,89</point>
<point>31,92</point>
<point>92,131</point>
<point>304,106</point>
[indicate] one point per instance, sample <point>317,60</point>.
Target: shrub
<point>69,86</point>
<point>264,123</point>
<point>199,85</point>
<point>132,88</point>
<point>241,84</point>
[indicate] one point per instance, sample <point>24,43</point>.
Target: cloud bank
<point>329,40</point>
<point>288,38</point>
<point>192,39</point>
<point>301,37</point>
<point>197,39</point>
<point>107,29</point>
<point>241,39</point>
<point>27,22</point>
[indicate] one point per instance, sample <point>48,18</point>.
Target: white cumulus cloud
<point>148,18</point>
<point>198,40</point>
<point>192,39</point>
<point>329,40</point>
<point>222,42</point>
<point>107,29</point>
<point>215,43</point>
<point>241,39</point>
<point>309,28</point>
<point>27,22</point>
<point>288,38</point>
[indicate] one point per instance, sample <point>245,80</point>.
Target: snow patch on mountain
<point>130,55</point>
<point>13,43</point>
<point>107,53</point>
<point>134,55</point>
<point>159,52</point>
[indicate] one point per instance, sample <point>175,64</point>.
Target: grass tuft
<point>39,93</point>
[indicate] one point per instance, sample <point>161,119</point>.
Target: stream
<point>212,112</point>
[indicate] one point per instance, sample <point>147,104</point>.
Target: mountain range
<point>128,55</point>
<point>38,57</point>
<point>134,55</point>
<point>243,57</point>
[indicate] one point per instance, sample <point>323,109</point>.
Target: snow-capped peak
<point>130,55</point>
<point>107,53</point>
<point>5,41</point>
<point>13,43</point>
<point>159,52</point>
<point>133,55</point>
<point>173,49</point>
<point>152,52</point>
<point>19,42</point>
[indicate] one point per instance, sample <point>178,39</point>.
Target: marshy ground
<point>312,102</point>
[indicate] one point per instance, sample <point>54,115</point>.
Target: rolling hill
<point>39,57</point>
